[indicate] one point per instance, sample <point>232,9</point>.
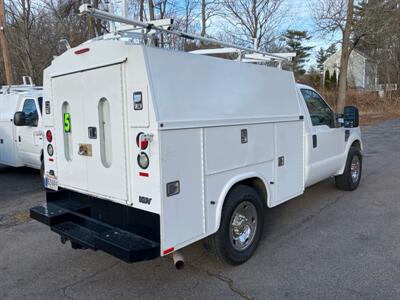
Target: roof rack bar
<point>87,9</point>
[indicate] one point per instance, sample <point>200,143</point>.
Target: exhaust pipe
<point>179,260</point>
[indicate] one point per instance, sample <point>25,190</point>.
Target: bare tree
<point>209,9</point>
<point>254,21</point>
<point>332,16</point>
<point>190,16</point>
<point>151,10</point>
<point>22,27</point>
<point>5,46</point>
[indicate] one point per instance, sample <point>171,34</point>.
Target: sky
<point>299,16</point>
<point>302,19</point>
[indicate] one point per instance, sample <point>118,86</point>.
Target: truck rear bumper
<point>101,225</point>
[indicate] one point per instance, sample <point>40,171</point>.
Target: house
<point>362,72</point>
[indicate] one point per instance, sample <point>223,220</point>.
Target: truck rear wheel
<point>241,226</point>
<point>351,177</point>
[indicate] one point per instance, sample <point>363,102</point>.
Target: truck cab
<point>21,134</point>
<point>327,137</point>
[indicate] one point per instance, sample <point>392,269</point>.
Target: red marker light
<point>81,51</point>
<point>49,136</point>
<point>169,250</point>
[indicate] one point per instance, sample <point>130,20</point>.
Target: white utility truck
<point>21,140</point>
<point>154,149</point>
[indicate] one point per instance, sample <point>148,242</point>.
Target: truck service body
<point>21,145</point>
<point>152,145</point>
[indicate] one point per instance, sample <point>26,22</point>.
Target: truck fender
<point>354,137</point>
<point>228,186</point>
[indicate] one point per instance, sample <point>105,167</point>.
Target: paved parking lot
<point>324,244</point>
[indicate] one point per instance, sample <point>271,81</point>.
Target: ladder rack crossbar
<point>87,9</point>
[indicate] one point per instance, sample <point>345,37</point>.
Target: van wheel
<point>351,177</point>
<point>241,226</point>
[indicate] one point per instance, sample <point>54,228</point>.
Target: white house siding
<point>362,72</point>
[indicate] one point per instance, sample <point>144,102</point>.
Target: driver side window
<point>320,112</point>
<point>31,113</point>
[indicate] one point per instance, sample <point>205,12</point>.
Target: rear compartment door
<point>94,121</point>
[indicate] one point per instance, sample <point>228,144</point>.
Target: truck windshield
<point>31,113</point>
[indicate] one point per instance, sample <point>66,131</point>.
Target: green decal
<point>67,123</point>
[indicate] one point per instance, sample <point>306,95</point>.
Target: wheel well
<point>257,184</point>
<point>356,144</point>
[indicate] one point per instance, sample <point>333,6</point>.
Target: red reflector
<point>50,159</point>
<point>80,51</point>
<point>49,136</point>
<point>169,250</point>
<point>143,174</point>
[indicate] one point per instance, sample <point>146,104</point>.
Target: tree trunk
<point>4,46</point>
<point>344,60</point>
<point>141,10</point>
<point>203,17</point>
<point>151,10</point>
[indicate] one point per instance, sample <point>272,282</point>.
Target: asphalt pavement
<point>326,244</point>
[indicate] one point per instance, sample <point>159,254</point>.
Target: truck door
<point>91,123</point>
<point>30,136</point>
<point>328,142</point>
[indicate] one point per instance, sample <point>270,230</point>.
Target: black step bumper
<point>87,224</point>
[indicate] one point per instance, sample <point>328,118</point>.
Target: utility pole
<point>4,45</point>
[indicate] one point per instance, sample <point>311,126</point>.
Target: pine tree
<point>327,82</point>
<point>334,79</point>
<point>321,58</point>
<point>331,49</point>
<point>295,40</point>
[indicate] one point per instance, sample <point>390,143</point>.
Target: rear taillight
<point>142,141</point>
<point>49,136</point>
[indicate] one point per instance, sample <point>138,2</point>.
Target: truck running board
<point>86,232</point>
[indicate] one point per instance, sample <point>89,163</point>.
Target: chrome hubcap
<point>243,225</point>
<point>355,168</point>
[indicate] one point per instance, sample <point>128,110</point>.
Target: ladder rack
<point>244,54</point>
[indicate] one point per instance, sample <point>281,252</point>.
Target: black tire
<point>346,181</point>
<point>221,243</point>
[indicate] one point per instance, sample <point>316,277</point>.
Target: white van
<point>152,150</point>
<point>21,134</point>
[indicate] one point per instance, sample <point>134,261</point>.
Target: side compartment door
<point>328,141</point>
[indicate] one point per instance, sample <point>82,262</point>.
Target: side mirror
<point>19,118</point>
<point>350,116</point>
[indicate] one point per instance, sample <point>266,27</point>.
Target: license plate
<point>51,182</point>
